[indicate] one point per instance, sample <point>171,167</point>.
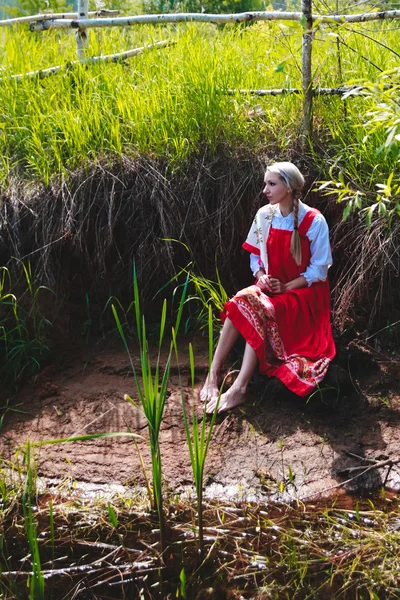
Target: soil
<point>275,446</point>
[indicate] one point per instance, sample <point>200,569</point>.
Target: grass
<point>23,326</point>
<point>169,102</point>
<point>152,387</point>
<point>339,548</point>
<point>36,583</point>
<point>198,435</point>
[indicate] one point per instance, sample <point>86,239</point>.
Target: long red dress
<point>291,332</point>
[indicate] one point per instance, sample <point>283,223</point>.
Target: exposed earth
<point>276,445</point>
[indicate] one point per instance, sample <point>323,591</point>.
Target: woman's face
<point>275,189</point>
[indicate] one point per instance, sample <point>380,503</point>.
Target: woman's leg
<point>228,337</point>
<point>237,393</point>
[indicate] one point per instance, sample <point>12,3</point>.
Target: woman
<point>285,316</point>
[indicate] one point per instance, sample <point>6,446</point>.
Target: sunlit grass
<point>173,101</point>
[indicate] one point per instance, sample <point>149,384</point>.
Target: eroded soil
<point>276,445</point>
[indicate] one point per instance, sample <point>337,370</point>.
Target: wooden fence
<point>83,20</point>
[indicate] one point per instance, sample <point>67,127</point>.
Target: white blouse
<point>318,234</point>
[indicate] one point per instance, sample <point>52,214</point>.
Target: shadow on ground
<point>275,446</point>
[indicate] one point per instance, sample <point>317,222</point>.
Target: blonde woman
<point>285,316</point>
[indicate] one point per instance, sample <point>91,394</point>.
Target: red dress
<point>291,332</point>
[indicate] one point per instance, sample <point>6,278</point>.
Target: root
<point>100,221</point>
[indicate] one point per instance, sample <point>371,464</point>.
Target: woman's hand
<point>277,287</point>
<point>270,285</point>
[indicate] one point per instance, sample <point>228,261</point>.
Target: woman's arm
<point>321,255</point>
<point>259,274</point>
<point>295,284</point>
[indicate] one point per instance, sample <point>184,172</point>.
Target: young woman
<point>285,316</point>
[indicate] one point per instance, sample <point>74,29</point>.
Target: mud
<point>275,446</point>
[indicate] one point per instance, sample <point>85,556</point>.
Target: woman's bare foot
<point>210,389</point>
<point>233,397</point>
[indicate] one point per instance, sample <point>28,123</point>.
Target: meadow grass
<point>173,101</point>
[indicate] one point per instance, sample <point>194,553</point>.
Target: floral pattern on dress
<point>311,372</point>
<point>258,233</point>
<point>258,310</point>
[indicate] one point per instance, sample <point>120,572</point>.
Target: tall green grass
<point>23,326</point>
<point>364,172</point>
<point>152,387</point>
<point>35,580</point>
<point>198,434</point>
<point>170,102</point>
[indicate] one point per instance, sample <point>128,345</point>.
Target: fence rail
<point>51,16</point>
<point>82,20</point>
<point>86,23</point>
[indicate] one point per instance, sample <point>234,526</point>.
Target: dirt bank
<point>275,445</point>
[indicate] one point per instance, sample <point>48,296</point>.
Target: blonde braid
<point>295,245</point>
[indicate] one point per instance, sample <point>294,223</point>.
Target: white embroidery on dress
<point>270,215</point>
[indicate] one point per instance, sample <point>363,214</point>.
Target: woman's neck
<point>286,207</point>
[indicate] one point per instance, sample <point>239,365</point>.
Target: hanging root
<point>102,220</point>
<point>367,272</point>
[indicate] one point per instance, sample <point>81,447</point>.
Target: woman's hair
<point>294,180</point>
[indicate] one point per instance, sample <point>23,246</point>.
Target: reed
<point>198,436</point>
<point>152,387</point>
<point>36,579</point>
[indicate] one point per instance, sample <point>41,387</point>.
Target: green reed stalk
<point>51,521</point>
<point>198,436</point>
<point>36,585</point>
<point>152,388</point>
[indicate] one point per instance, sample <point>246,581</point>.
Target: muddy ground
<point>275,446</point>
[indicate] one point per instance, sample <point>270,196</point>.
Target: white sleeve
<point>321,255</point>
<point>255,263</point>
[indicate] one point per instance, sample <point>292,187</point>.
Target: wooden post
<point>81,35</point>
<point>306,70</point>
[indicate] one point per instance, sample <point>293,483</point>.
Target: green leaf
<point>382,210</point>
<point>368,214</point>
<point>112,516</point>
<point>347,210</point>
<point>85,438</point>
<point>324,185</point>
<point>182,579</point>
<point>303,21</point>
